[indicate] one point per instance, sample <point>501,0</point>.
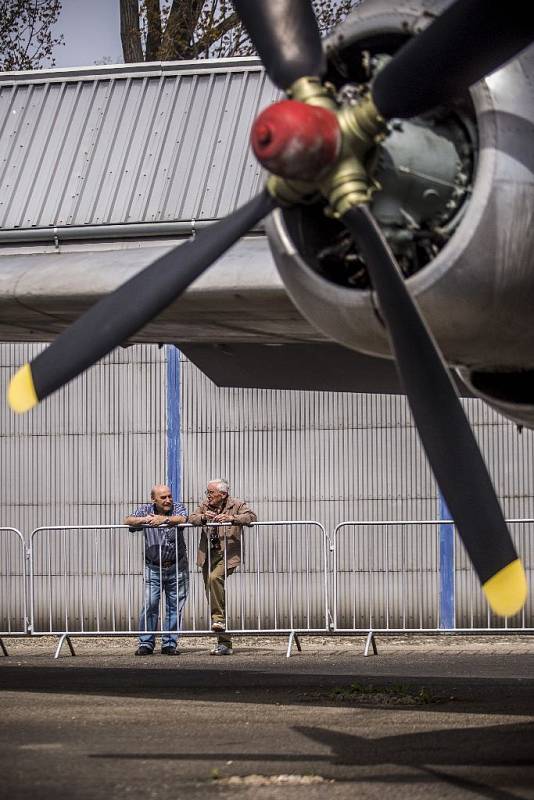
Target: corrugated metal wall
<point>332,456</point>
<point>87,455</point>
<point>92,451</point>
<point>338,456</point>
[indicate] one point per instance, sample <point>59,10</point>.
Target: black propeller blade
<point>434,67</point>
<point>446,435</point>
<point>123,312</point>
<point>471,39</point>
<point>286,36</point>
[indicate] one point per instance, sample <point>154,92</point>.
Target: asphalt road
<point>439,718</point>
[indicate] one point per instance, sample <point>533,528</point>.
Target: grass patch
<point>396,694</point>
<point>369,694</point>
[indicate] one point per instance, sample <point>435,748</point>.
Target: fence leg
<point>64,638</point>
<point>3,648</point>
<point>370,641</point>
<point>293,637</point>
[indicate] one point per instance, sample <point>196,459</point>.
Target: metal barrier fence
<point>90,580</point>
<point>13,585</point>
<point>472,611</point>
<point>386,577</point>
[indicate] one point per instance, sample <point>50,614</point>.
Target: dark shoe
<point>169,651</point>
<point>143,650</point>
<point>218,627</point>
<point>222,650</point>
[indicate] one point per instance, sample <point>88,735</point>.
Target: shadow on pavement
<point>475,695</point>
<point>503,746</point>
<point>507,745</point>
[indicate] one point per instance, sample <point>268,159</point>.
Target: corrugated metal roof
<point>131,144</point>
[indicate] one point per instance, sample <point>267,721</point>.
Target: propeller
<point>123,312</point>
<point>431,69</point>
<point>442,425</point>
<point>286,37</point>
<point>469,40</point>
<point>438,64</point>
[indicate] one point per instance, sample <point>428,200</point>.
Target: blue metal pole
<point>174,441</point>
<point>446,568</point>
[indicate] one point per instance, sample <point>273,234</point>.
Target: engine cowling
<point>456,205</point>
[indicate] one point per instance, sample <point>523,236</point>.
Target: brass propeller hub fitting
<point>342,135</point>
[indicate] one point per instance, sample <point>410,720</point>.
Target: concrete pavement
<point>444,717</point>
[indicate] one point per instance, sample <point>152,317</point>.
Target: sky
<point>92,32</point>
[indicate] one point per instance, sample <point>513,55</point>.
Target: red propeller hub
<point>296,140</point>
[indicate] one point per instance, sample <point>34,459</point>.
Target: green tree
<point>26,37</point>
<point>152,30</point>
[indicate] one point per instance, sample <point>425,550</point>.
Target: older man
<point>215,542</point>
<point>165,567</point>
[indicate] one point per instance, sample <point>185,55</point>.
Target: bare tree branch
<point>188,29</point>
<point>153,36</point>
<point>130,32</point>
<point>26,38</point>
<point>31,30</point>
<point>179,31</point>
<point>215,33</point>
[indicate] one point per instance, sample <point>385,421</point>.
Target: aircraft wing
<point>236,323</point>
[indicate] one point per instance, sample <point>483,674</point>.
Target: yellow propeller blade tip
<point>506,591</point>
<point>21,394</point>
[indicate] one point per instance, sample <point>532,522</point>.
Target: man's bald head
<point>162,497</point>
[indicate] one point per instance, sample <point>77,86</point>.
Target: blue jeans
<point>175,584</point>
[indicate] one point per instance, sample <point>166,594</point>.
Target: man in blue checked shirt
<point>165,567</point>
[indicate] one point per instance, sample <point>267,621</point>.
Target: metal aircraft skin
<point>457,208</point>
<point>456,200</point>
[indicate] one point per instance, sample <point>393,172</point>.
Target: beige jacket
<point>242,515</point>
